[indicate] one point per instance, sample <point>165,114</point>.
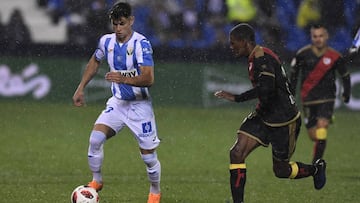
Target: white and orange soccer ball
<point>84,194</point>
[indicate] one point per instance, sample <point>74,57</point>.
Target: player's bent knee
<point>97,139</point>
<point>150,159</point>
<point>236,155</point>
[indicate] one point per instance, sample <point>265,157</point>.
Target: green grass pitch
<point>43,157</point>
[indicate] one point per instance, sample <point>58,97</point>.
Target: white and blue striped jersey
<point>127,59</point>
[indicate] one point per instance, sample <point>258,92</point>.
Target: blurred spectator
<point>201,37</point>
<point>190,16</point>
<point>352,13</point>
<point>75,18</point>
<point>308,14</point>
<point>206,23</point>
<point>166,20</point>
<point>269,26</point>
<point>42,3</point>
<point>56,10</point>
<point>216,12</point>
<point>75,6</point>
<point>354,16</point>
<point>191,24</point>
<point>2,34</point>
<point>93,20</point>
<point>97,20</point>
<point>142,12</point>
<point>18,34</point>
<point>241,11</point>
<point>163,16</point>
<point>332,15</point>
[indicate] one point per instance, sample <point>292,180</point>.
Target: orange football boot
<point>97,186</point>
<point>154,198</point>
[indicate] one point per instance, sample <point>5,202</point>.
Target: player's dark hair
<point>119,10</point>
<point>317,26</point>
<point>243,31</point>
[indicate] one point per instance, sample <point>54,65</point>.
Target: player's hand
<point>346,98</point>
<point>224,95</point>
<point>115,77</point>
<point>79,98</point>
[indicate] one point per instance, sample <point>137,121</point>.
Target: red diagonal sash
<point>325,63</point>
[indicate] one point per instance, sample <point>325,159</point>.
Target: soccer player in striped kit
<point>318,64</point>
<point>129,56</point>
<point>276,119</point>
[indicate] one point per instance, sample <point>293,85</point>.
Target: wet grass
<point>44,146</point>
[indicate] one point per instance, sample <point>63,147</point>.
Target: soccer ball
<point>84,194</point>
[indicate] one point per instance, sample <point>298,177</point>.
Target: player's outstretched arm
<point>90,70</point>
<point>245,96</point>
<point>224,95</point>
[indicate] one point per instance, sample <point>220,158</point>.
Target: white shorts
<point>138,116</point>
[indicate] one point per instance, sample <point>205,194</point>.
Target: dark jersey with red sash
<point>276,104</point>
<point>318,74</point>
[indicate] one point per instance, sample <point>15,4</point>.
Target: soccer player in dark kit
<point>276,119</point>
<point>318,64</point>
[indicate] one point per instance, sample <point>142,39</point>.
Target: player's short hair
<point>317,26</point>
<point>243,31</point>
<point>119,10</point>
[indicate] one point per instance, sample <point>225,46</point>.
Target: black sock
<point>304,170</point>
<point>319,149</point>
<point>237,182</point>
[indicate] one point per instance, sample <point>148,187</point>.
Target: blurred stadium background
<point>45,45</point>
<point>174,24</point>
<point>46,41</point>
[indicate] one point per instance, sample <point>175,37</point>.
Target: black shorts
<point>315,111</point>
<point>282,139</point>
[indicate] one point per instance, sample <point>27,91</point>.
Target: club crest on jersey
<point>250,66</point>
<point>129,51</point>
<point>326,60</point>
<point>147,50</point>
